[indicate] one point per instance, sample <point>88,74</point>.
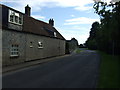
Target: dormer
<point>15,20</point>
<point>15,17</point>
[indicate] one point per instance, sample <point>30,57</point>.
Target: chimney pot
<point>27,10</point>
<point>51,22</point>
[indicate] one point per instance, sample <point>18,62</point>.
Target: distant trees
<point>81,46</point>
<point>106,35</point>
<point>91,43</point>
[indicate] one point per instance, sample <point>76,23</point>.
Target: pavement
<point>28,64</point>
<point>79,70</point>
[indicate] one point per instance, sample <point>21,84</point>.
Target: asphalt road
<point>74,71</point>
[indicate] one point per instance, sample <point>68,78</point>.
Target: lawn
<point>109,71</point>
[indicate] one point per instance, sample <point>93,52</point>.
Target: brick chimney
<point>27,10</point>
<point>51,22</point>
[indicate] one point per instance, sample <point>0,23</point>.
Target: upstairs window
<point>20,19</point>
<point>15,17</point>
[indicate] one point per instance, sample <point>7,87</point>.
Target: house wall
<point>0,52</point>
<point>0,46</point>
<point>10,37</point>
<point>51,47</point>
<point>12,34</point>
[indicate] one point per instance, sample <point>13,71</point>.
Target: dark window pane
<point>16,19</point>
<point>11,18</point>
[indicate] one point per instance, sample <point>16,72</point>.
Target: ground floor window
<point>31,44</point>
<point>14,50</point>
<point>40,45</point>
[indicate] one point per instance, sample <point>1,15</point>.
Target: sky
<point>73,18</point>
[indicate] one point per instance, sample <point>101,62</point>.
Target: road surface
<point>74,71</point>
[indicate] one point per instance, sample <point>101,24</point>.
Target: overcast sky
<point>73,18</point>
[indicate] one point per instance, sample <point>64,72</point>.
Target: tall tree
<point>108,34</point>
<point>91,43</point>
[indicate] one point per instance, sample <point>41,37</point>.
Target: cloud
<point>80,20</point>
<point>72,15</point>
<point>115,0</point>
<point>38,4</point>
<point>38,17</point>
<point>68,34</point>
<point>83,8</point>
<point>80,33</point>
<point>82,29</point>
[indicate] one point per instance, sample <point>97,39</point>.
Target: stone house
<point>25,38</point>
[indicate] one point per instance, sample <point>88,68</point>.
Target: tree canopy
<point>105,35</point>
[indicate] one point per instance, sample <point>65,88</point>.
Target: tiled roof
<point>39,27</point>
<point>35,26</point>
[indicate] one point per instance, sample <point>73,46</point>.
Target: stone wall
<point>15,27</point>
<point>9,38</point>
<point>0,51</point>
<point>51,47</point>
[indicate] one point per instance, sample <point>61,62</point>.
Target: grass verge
<point>78,51</point>
<point>109,71</point>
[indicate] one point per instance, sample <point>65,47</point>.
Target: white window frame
<point>15,14</point>
<point>40,44</point>
<point>55,34</point>
<point>14,51</point>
